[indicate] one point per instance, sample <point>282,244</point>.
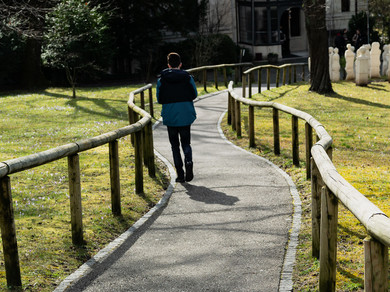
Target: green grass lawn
<point>358,119</point>
<point>34,122</point>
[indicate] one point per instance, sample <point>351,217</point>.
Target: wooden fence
<point>215,68</point>
<point>289,74</point>
<point>141,130</point>
<point>328,188</point>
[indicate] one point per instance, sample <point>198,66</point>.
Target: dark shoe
<point>189,171</point>
<point>180,180</point>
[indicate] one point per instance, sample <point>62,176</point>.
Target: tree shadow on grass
<point>359,101</point>
<point>108,110</point>
<point>281,94</point>
<point>359,282</point>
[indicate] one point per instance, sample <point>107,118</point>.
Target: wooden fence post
<point>250,85</point>
<point>238,118</point>
<point>243,85</point>
<point>277,77</point>
<point>131,121</point>
<point>115,178</point>
<point>225,77</point>
<point>289,74</point>
<point>76,213</point>
<point>284,75</point>
<point>251,122</point>
<point>295,140</point>
<point>376,265</point>
<point>8,234</point>
<point>144,146</point>
<point>205,80</point>
<point>275,117</point>
<point>229,113</point>
<point>268,78</point>
<point>309,144</point>
<point>316,186</point>
<point>236,75</point>
<point>328,247</point>
<point>234,118</point>
<point>142,100</point>
<point>216,78</point>
<point>139,175</point>
<point>259,80</point>
<point>150,150</point>
<point>151,110</point>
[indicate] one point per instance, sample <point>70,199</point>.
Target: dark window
<point>345,5</point>
<point>245,22</point>
<point>261,26</point>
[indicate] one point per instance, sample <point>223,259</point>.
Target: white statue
<point>330,51</point>
<point>362,66</point>
<point>350,62</point>
<point>388,64</point>
<point>385,61</point>
<point>375,60</point>
<point>335,76</point>
<point>367,54</point>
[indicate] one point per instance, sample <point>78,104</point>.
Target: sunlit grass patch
<point>358,120</point>
<point>34,122</point>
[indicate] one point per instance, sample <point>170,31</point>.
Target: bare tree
<point>26,20</point>
<point>24,17</point>
<point>216,16</point>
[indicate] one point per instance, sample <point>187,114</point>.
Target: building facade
<point>338,13</point>
<point>274,26</point>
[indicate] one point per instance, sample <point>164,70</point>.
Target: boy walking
<point>176,91</point>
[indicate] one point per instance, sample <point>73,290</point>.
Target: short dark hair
<point>174,60</point>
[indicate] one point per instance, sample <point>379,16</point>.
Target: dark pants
<point>184,133</point>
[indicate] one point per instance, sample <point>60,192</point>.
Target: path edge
<point>87,267</point>
<point>285,282</point>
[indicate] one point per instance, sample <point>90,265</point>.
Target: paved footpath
<point>227,230</point>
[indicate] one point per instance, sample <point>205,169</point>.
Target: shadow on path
<point>208,196</point>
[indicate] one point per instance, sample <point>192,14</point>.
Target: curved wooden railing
<point>237,75</point>
<point>290,69</point>
<point>140,129</point>
<point>328,187</point>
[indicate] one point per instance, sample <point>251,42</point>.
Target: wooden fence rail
<point>328,188</point>
<point>141,128</point>
<point>237,75</point>
<point>290,69</point>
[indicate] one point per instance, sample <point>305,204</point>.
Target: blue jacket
<point>176,91</point>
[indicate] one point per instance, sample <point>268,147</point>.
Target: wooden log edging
<point>325,176</point>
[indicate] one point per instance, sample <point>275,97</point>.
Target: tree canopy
<point>136,28</point>
<point>76,38</point>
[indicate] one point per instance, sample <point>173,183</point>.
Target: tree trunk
<point>317,35</point>
<point>71,76</point>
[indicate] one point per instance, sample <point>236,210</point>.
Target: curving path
<point>227,230</point>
